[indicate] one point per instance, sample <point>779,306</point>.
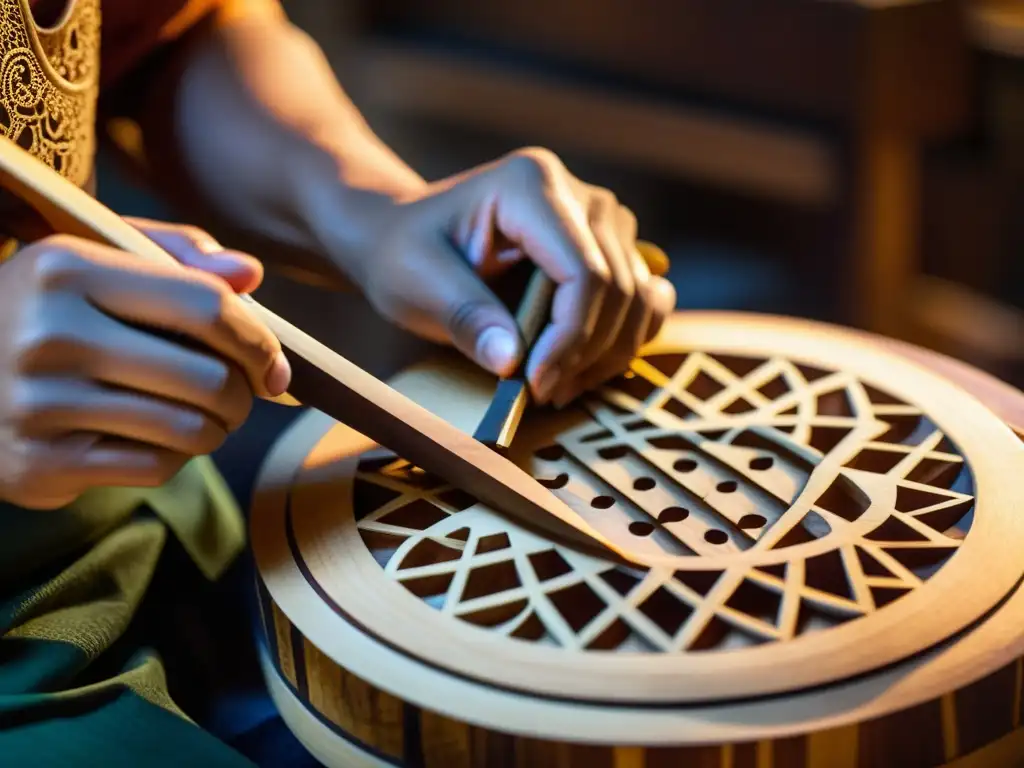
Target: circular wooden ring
<point>333,645</point>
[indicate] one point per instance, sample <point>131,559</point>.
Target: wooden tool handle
<point>534,310</point>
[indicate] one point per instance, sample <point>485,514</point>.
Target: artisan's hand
<point>89,397</point>
<point>428,254</point>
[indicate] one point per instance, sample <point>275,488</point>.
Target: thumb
<point>439,290</point>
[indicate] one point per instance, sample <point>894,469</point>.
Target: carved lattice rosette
<point>794,499</point>
<point>798,496</point>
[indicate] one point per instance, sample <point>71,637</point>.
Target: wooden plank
<point>801,57</point>
<point>757,157</point>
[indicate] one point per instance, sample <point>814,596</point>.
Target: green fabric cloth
<point>71,581</point>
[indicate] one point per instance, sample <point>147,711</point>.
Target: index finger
<point>179,300</point>
<point>539,212</point>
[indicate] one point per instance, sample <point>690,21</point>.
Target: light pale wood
<point>323,743</point>
<point>320,377</point>
<point>950,689</point>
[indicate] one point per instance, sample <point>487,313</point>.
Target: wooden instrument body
<point>388,640</point>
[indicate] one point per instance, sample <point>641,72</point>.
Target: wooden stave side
<point>387,730</point>
<point>969,741</point>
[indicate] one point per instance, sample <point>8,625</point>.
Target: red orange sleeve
<point>132,29</point>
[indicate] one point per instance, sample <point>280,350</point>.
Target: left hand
<point>429,256</point>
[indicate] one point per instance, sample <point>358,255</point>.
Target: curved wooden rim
<point>334,559</point>
<point>993,644</point>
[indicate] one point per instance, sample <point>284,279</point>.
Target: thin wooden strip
<point>744,755</point>
<point>324,743</point>
<point>298,643</point>
<point>324,692</point>
<point>985,709</point>
<point>950,726</point>
<point>910,737</point>
<point>1008,752</point>
<point>370,718</point>
<point>629,757</point>
<point>692,757</point>
<point>836,748</point>
<point>266,605</point>
<point>283,642</point>
<point>790,752</point>
<point>1018,690</point>
<point>446,743</point>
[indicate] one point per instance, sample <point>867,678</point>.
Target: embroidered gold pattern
<point>49,81</point>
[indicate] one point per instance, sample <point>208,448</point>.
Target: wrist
<point>345,200</point>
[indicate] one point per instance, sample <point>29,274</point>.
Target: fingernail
<point>225,260</point>
<point>496,348</point>
<point>279,376</point>
<point>545,383</point>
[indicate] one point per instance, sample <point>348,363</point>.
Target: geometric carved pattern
<point>779,499</point>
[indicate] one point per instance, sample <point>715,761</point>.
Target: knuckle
<point>627,219</point>
<point>197,238</point>
<point>214,376</point>
<point>604,201</point>
<point>27,405</point>
<point>56,261</point>
<point>193,233</point>
<point>44,338</point>
<point>465,317</point>
<point>209,297</point>
<point>202,435</point>
<point>534,164</point>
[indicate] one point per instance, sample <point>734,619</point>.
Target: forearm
<point>251,121</point>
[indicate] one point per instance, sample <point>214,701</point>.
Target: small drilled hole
<point>550,453</point>
<point>761,463</point>
<point>748,522</point>
<point>554,483</point>
<point>602,502</point>
<point>729,486</point>
<point>640,528</point>
<point>644,483</point>
<point>715,537</point>
<point>685,465</point>
<point>673,515</point>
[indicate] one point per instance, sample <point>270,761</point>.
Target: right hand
<point>93,390</point>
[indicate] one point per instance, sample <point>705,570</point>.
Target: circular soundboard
<point>822,534</point>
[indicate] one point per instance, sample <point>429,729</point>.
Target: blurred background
<point>858,161</point>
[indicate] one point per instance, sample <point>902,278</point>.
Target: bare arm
<point>250,120</point>
<point>248,117</point>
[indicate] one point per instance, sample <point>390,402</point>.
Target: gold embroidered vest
<point>49,86</point>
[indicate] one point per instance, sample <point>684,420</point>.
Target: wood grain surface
<point>951,694</point>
